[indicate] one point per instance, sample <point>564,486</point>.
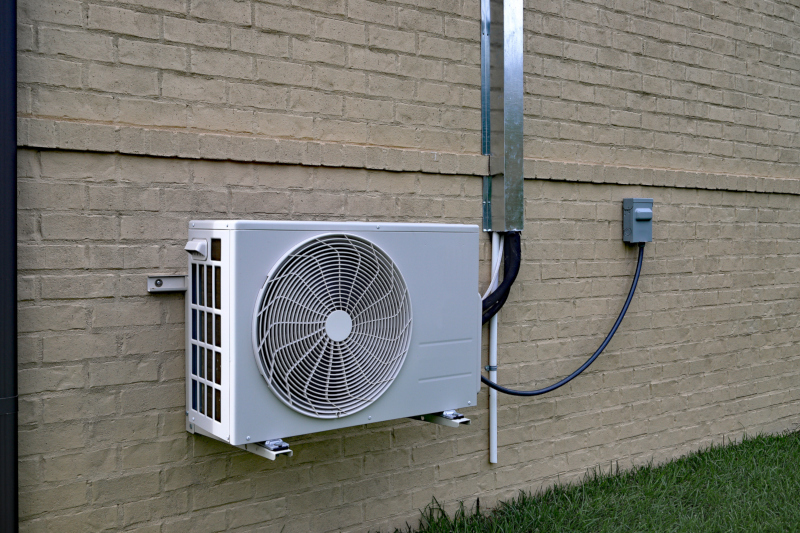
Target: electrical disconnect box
<point>637,220</point>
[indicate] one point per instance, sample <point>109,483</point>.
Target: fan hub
<point>338,325</point>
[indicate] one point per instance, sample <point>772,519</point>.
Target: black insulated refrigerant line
<point>512,256</point>
<point>8,268</point>
<point>594,356</point>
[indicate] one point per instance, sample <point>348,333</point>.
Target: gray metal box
<point>439,263</point>
<point>637,220</point>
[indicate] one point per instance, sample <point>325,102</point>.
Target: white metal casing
<point>439,263</point>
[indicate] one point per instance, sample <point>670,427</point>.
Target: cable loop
<point>584,366</point>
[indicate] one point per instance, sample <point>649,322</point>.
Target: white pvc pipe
<point>496,255</point>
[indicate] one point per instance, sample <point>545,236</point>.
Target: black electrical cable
<point>512,256</point>
<point>585,365</point>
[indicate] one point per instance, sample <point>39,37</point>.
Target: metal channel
<point>502,68</point>
<point>486,20</point>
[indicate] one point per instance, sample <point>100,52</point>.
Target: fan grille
<point>332,325</point>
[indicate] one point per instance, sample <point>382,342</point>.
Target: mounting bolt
<point>187,413</point>
<point>469,403</point>
<point>159,282</point>
<point>192,419</point>
<point>248,437</point>
<point>369,418</point>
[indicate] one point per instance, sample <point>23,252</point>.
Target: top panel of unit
<point>329,226</point>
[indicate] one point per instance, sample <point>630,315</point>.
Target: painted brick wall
<point>708,85</point>
<point>136,117</point>
<point>709,348</point>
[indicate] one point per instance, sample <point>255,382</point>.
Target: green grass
<point>750,486</point>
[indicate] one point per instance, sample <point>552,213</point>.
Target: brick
<point>401,41</point>
<point>152,113</point>
<point>377,12</point>
<point>150,453</point>
<point>318,52</point>
<point>34,195</point>
<point>340,31</point>
<point>127,429</point>
<point>419,21</point>
<point>420,68</point>
<point>122,372</point>
<point>433,46</point>
<point>103,519</point>
<point>259,513</point>
<point>222,64</point>
<point>76,44</point>
<point>48,71</point>
<point>235,11</point>
<point>163,506</point>
<point>364,108</point>
<point>50,438</point>
<point>125,488</point>
<point>123,80</point>
<point>71,105</point>
<point>51,379</point>
<point>113,314</point>
<point>284,72</point>
<point>329,79</point>
<point>76,406</point>
<point>258,96</point>
<point>58,11</point>
<point>53,499</point>
<point>192,88</point>
<point>315,102</point>
<point>259,43</point>
<point>153,397</point>
<point>124,21</point>
<point>314,499</point>
<point>51,318</point>
<point>291,21</point>
<point>334,7</point>
<point>67,467</point>
<point>374,61</point>
<point>192,32</point>
<point>78,287</point>
<point>157,55</point>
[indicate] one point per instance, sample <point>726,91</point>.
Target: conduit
<point>493,354</point>
<point>9,475</point>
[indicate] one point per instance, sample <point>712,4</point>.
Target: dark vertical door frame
<point>9,472</point>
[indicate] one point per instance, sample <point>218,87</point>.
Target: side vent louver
<point>206,317</point>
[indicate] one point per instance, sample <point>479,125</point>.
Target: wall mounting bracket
<point>452,419</point>
<point>270,449</point>
<point>166,283</point>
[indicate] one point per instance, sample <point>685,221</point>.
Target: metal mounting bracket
<point>451,419</point>
<point>166,283</point>
<point>270,449</point>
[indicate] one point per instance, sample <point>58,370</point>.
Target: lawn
<point>750,486</point>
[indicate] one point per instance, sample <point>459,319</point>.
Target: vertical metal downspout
<point>503,76</point>
<point>9,473</point>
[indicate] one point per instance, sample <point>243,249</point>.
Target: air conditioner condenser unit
<point>300,327</point>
